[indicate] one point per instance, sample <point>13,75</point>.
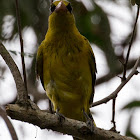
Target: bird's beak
<point>61,7</point>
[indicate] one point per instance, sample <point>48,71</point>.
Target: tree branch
<point>68,126</point>
<point>115,93</point>
<point>15,72</point>
<point>130,45</point>
<point>109,76</point>
<point>9,124</point>
<point>22,48</point>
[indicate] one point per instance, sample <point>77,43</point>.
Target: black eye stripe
<point>52,7</point>
<point>69,8</point>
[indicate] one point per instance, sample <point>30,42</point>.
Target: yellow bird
<point>66,64</point>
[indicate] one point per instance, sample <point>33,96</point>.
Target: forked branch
<point>130,45</point>
<point>15,72</point>
<point>123,83</point>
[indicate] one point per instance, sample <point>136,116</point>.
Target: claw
<point>60,116</point>
<point>90,124</point>
<point>89,121</point>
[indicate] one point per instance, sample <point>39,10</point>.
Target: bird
<point>65,64</point>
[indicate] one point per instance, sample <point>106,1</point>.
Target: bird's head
<point>61,17</point>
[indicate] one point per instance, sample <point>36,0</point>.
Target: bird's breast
<point>67,68</point>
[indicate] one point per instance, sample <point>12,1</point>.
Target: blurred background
<point>108,25</point>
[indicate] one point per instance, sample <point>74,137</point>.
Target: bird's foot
<point>89,122</point>
<point>60,116</point>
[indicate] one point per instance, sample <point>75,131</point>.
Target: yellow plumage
<point>66,64</point>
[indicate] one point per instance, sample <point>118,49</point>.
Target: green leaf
<point>131,134</point>
<point>13,52</point>
<point>132,105</point>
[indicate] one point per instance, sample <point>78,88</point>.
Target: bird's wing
<point>39,64</point>
<point>93,73</point>
<point>92,64</point>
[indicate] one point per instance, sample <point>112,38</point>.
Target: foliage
<point>132,105</point>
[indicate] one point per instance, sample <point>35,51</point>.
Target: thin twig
<point>124,71</point>
<point>130,45</point>
<point>9,124</point>
<point>123,83</point>
<point>21,44</point>
<point>113,114</point>
<point>109,76</point>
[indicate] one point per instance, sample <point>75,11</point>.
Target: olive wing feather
<point>39,65</point>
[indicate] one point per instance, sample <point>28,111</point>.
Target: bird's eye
<point>52,7</point>
<point>69,8</point>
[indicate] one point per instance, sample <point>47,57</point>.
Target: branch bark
<point>71,127</point>
<point>22,47</point>
<point>9,124</point>
<point>130,45</point>
<point>15,72</point>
